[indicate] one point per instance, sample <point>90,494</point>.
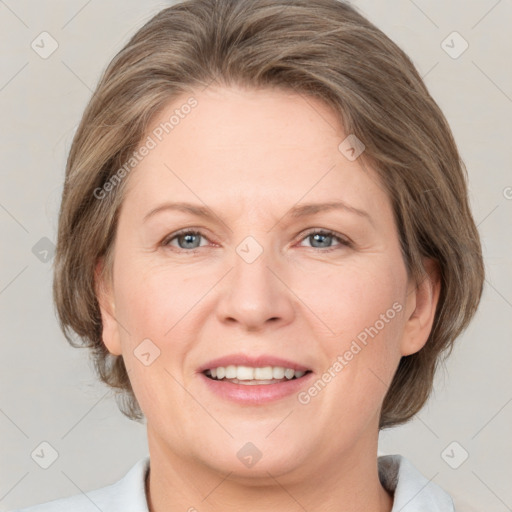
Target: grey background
<point>48,390</point>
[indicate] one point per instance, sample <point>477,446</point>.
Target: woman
<point>265,240</point>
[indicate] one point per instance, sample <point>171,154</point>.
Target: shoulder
<point>126,495</point>
<point>412,491</point>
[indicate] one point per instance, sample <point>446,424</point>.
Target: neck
<point>347,483</point>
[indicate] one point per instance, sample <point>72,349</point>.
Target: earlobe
<point>422,301</point>
<point>105,297</point>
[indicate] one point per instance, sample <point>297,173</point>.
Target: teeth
<point>289,373</point>
<point>278,372</point>
<point>263,373</point>
<point>231,372</point>
<point>266,374</point>
<point>244,373</point>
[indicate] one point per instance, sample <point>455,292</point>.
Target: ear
<point>105,296</point>
<point>421,303</point>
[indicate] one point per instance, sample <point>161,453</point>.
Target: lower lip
<point>258,393</point>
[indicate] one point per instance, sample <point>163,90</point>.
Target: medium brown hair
<point>319,48</point>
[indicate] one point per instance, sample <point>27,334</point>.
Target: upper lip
<point>259,361</point>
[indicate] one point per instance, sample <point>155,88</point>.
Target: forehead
<point>253,148</point>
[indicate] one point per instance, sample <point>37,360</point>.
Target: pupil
<point>189,238</point>
<point>320,235</point>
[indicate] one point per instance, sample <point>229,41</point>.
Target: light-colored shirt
<point>411,490</point>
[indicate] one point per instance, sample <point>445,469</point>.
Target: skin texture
<point>250,156</point>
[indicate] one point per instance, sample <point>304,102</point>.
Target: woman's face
<point>255,272</point>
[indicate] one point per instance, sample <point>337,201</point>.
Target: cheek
<point>156,305</point>
<point>362,307</point>
<point>354,298</point>
<point>155,300</point>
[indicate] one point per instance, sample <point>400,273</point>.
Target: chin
<point>254,457</point>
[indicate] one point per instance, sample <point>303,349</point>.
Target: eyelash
<point>326,232</point>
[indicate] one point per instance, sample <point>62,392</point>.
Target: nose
<point>255,294</point>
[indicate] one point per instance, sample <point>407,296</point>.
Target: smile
<point>251,376</point>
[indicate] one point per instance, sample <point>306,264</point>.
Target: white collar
<point>412,491</point>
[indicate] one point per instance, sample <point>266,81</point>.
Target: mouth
<point>254,376</point>
<point>254,380</point>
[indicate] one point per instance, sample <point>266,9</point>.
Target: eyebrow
<point>297,211</point>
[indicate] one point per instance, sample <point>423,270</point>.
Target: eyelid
<point>196,231</point>
<point>342,239</point>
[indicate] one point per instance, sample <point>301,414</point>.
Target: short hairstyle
<point>317,48</point>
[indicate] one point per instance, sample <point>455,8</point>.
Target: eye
<point>186,239</point>
<point>324,238</point>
